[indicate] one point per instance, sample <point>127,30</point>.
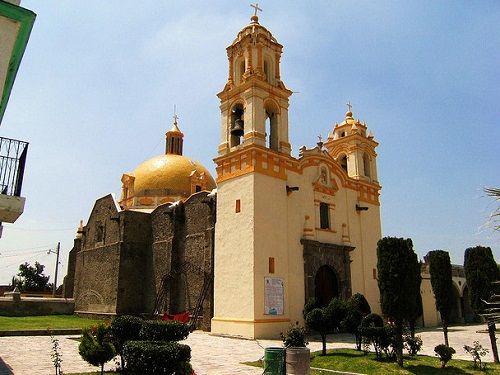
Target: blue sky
<point>95,93</point>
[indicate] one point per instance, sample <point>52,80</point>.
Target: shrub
<point>374,332</point>
<point>95,347</point>
<point>318,320</point>
<point>412,344</point>
<point>357,309</point>
<point>477,351</point>
<point>444,353</point>
<point>152,357</point>
<point>125,328</point>
<point>310,305</point>
<point>295,336</point>
<point>158,330</point>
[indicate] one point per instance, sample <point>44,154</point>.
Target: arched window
<point>366,165</point>
<point>242,68</point>
<point>324,216</point>
<point>239,70</point>
<point>268,70</point>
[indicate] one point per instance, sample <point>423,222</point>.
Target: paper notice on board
<point>273,296</point>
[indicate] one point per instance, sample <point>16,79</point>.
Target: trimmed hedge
<point>158,330</point>
<point>152,357</point>
<point>125,328</point>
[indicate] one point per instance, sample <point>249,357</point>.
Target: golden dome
<point>173,174</point>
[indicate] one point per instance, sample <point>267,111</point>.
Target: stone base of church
<point>251,329</point>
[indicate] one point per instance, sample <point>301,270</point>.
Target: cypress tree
<point>480,271</point>
<point>442,286</point>
<point>397,284</point>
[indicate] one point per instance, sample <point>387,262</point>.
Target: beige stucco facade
<point>461,311</point>
<point>288,228</point>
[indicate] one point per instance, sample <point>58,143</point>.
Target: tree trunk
<point>399,342</point>
<point>358,341</point>
<point>494,349</point>
<point>323,339</point>
<point>102,369</point>
<point>412,328</point>
<point>445,331</point>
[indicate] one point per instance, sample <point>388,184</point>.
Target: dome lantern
<point>174,139</point>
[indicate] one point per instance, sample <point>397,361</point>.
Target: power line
<point>40,230</point>
<point>26,248</point>
<point>21,253</point>
<point>24,260</point>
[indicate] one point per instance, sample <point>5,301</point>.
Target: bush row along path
<point>211,355</point>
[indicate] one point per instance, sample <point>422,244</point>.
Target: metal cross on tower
<point>256,7</point>
<point>349,105</point>
<point>175,114</point>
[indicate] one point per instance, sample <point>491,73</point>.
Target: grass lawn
<point>355,361</point>
<point>14,323</point>
<point>350,360</point>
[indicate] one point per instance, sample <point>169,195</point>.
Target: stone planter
<point>298,361</point>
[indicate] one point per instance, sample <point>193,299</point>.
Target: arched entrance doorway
<point>326,285</point>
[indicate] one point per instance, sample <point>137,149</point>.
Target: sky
<point>96,88</point>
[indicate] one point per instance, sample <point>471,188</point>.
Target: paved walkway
<point>211,355</point>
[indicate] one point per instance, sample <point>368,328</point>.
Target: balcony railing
<point>12,161</point>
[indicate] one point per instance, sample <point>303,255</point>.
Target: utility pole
<point>57,267</point>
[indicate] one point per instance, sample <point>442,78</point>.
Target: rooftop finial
<point>255,18</point>
<point>320,142</point>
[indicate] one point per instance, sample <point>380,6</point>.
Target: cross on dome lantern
<point>256,8</point>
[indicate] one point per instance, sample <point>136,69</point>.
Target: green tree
<point>442,286</point>
<point>32,278</point>
<point>396,269</point>
<point>95,347</point>
<point>327,319</point>
<point>357,307</point>
<point>480,271</point>
<point>317,320</point>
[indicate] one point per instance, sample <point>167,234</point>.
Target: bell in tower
<point>237,123</point>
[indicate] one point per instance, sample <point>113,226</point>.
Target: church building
<point>246,251</point>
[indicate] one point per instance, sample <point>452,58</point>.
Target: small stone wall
<point>15,305</point>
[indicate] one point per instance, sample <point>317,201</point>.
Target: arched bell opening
<point>272,127</point>
<point>343,162</point>
<point>237,127</point>
<point>326,285</point>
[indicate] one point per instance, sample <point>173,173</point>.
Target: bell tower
<point>254,101</point>
<point>353,146</point>
<point>252,255</point>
